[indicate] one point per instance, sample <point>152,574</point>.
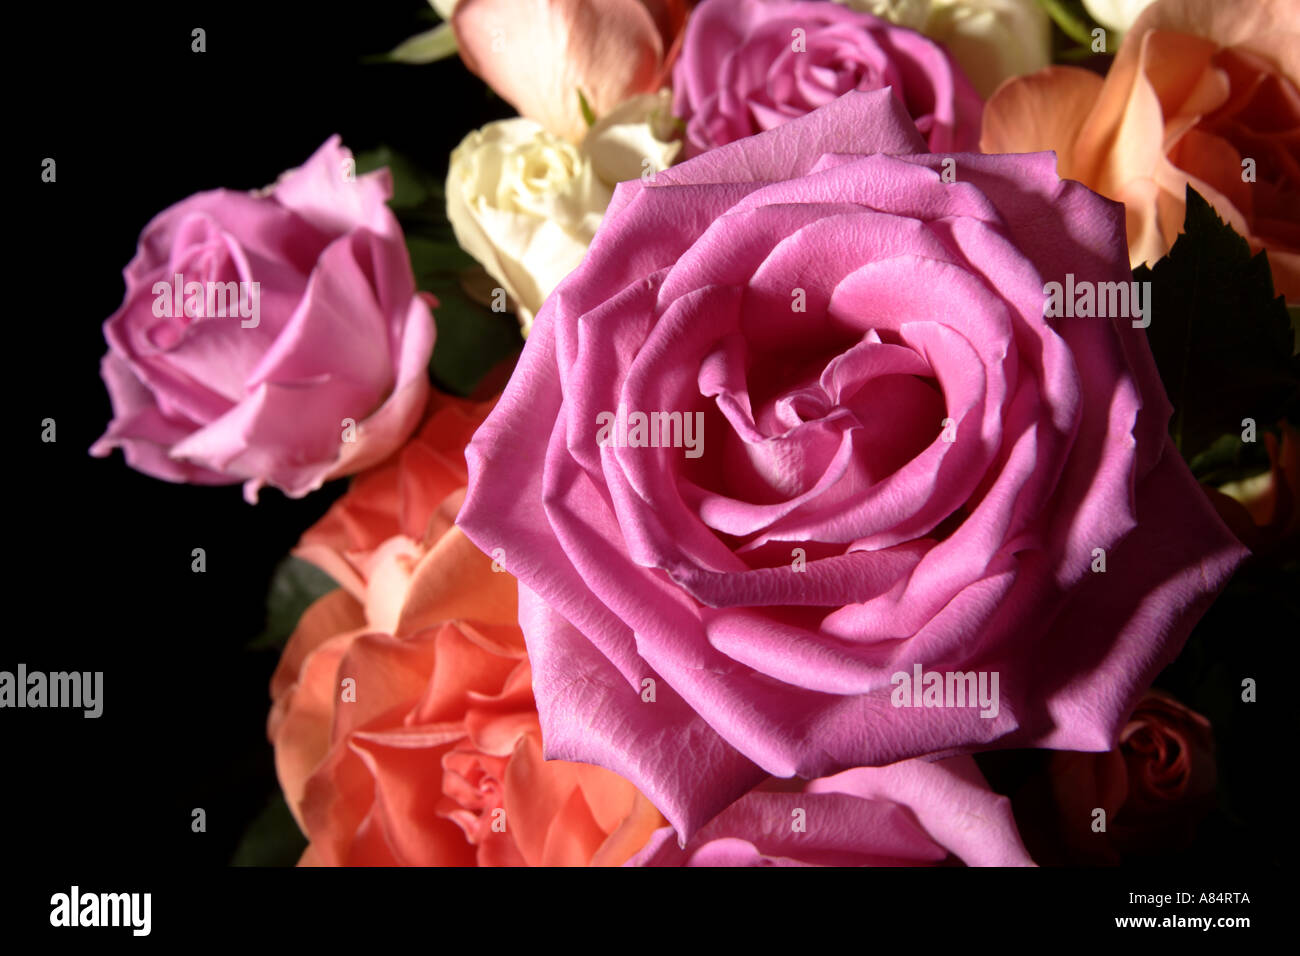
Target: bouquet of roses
<point>804,434</point>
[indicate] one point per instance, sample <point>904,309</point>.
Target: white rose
<point>991,40</point>
<point>525,204</point>
<point>634,139</point>
<point>905,13</point>
<point>1117,15</point>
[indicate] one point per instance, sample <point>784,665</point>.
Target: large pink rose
<point>274,338</point>
<point>914,813</point>
<point>894,463</point>
<point>751,65</point>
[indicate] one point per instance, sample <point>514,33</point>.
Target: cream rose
<point>1115,15</point>
<point>990,39</point>
<point>634,140</point>
<point>525,204</point>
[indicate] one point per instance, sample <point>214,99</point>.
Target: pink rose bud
<point>274,338</point>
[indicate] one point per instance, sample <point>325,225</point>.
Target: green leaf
<point>1071,18</point>
<point>435,257</point>
<point>1222,341</point>
<point>472,338</point>
<point>414,189</point>
<point>1230,459</point>
<point>427,47</point>
<point>588,113</point>
<point>295,585</point>
<point>471,341</point>
<point>272,839</point>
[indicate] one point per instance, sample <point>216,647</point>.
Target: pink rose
<point>884,459</point>
<point>751,65</point>
<point>913,813</point>
<point>271,338</point>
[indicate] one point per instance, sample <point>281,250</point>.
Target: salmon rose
<point>403,720</point>
<point>1202,92</point>
<point>538,55</point>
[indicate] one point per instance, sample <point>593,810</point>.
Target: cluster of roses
<point>569,652</point>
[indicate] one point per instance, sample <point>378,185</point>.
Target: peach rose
<point>403,720</point>
<point>537,54</point>
<point>1156,786</point>
<point>1202,92</point>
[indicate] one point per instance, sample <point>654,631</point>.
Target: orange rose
<point>1198,89</point>
<point>403,720</point>
<point>537,54</point>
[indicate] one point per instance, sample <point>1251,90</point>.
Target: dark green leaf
<point>294,586</point>
<point>471,337</point>
<point>1072,19</point>
<point>273,839</point>
<point>414,189</point>
<point>1222,341</point>
<point>1228,458</point>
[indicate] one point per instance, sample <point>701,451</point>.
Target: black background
<point>99,556</point>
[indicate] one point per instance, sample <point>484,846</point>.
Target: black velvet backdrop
<point>100,555</point>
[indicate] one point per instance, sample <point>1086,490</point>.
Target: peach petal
<point>1041,112</point>
<point>302,728</point>
<point>335,803</point>
<point>330,615</point>
<point>405,797</point>
<point>461,668</point>
<point>455,581</point>
<point>537,55</point>
<point>499,734</point>
<point>387,571</point>
<point>631,835</point>
<point>389,675</point>
<point>609,796</point>
<point>573,836</point>
<point>310,857</point>
<point>536,790</point>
